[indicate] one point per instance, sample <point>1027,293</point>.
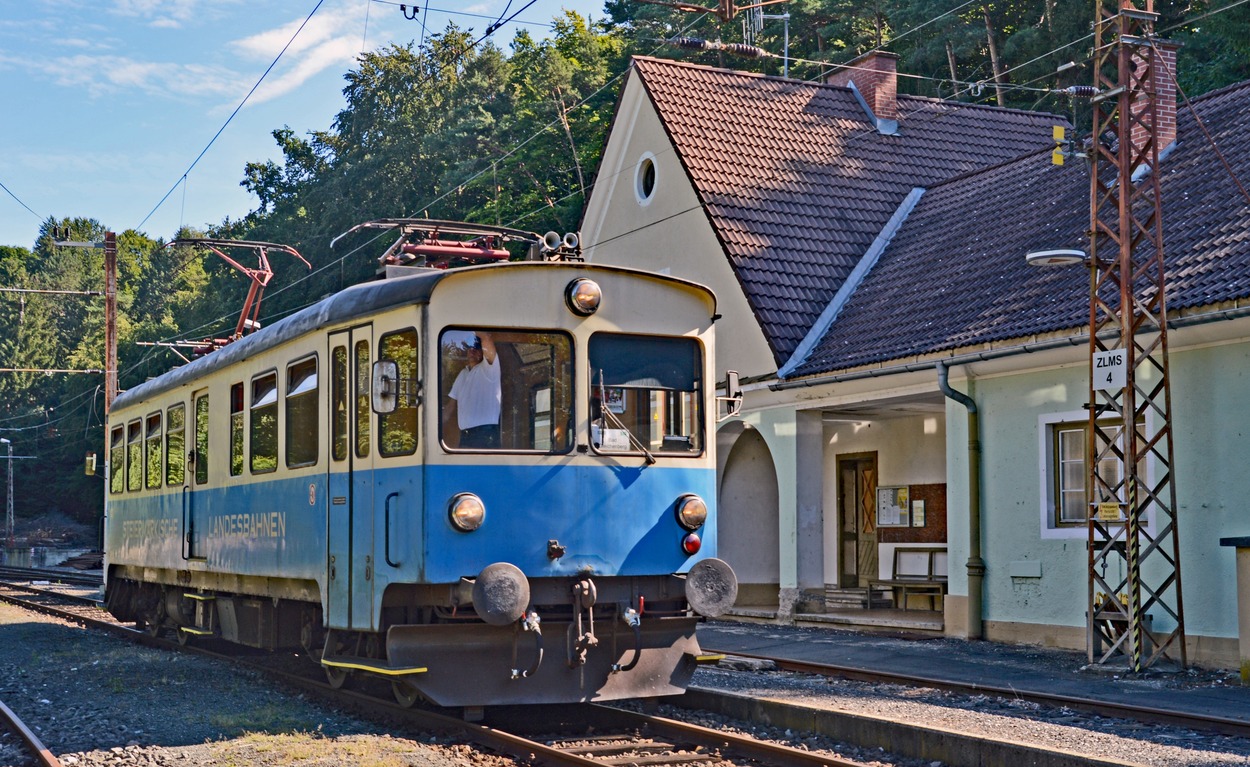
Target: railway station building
<point>868,253</point>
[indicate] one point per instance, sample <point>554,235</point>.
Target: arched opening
<point>749,537</point>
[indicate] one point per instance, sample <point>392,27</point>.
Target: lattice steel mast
<point>1134,555</point>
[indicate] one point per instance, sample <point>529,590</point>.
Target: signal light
<point>691,543</point>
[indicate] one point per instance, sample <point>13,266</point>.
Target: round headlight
<point>583,296</point>
<point>467,512</point>
<point>691,512</point>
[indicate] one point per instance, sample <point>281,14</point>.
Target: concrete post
<point>1243,602</point>
<point>809,512</point>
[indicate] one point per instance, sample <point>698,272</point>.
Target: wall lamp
<point>1057,257</point>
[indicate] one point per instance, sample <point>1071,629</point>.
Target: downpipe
<point>976,565</point>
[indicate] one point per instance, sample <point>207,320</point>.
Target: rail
<point>576,750</point>
<point>41,752</point>
<point>666,742</point>
<point>1150,714</point>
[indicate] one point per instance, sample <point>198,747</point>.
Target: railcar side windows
<point>152,451</point>
<point>134,455</point>
<point>508,390</point>
<point>236,430</point>
<point>175,444</point>
<point>364,379</point>
<point>303,433</point>
<point>263,423</point>
<point>397,430</point>
<point>338,403</point>
<point>117,460</point>
<point>646,394</point>
<point>201,439</point>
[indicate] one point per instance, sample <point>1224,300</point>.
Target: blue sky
<point>106,104</point>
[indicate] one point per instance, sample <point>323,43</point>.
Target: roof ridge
<point>1218,92</point>
<point>858,274</point>
<point>966,104</point>
<point>991,168</point>
<point>810,84</point>
<point>743,73</point>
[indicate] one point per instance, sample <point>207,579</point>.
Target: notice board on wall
<point>926,517</point>
<point>893,509</point>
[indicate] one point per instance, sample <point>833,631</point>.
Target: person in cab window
<point>475,398</point>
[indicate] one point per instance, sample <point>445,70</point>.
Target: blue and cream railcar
<point>307,486</point>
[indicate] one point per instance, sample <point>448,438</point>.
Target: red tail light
<point>691,543</point>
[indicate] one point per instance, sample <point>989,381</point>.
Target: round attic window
<point>644,179</point>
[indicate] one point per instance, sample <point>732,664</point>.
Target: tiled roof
<point>797,182</point>
<point>955,274</point>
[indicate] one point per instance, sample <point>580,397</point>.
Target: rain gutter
<point>975,565</point>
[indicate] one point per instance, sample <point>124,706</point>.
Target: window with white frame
<point>1066,441</point>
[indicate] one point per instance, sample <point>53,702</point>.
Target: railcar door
<point>193,507</point>
<point>349,534</point>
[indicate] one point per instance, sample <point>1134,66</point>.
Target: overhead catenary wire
<point>466,14</point>
<point>521,144</point>
<point>453,188</point>
<point>485,169</point>
<point>147,357</point>
<point>229,119</point>
<point>18,200</point>
<point>1202,125</point>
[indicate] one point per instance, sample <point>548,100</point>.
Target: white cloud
<point>171,14</point>
<point>324,26</point>
<point>332,53</point>
<point>105,75</point>
<point>327,40</point>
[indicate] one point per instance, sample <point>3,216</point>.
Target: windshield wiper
<point>606,414</point>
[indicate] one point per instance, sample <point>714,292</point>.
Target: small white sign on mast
<point>1110,369</point>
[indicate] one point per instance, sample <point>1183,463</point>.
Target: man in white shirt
<point>475,398</point>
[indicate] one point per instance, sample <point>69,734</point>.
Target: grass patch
<point>310,749</point>
<point>260,720</point>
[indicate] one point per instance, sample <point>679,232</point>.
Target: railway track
<point>9,573</point>
<point>596,735</point>
<point>1106,708</point>
<point>1096,706</point>
<point>573,736</point>
<point>670,744</point>
<point>38,753</point>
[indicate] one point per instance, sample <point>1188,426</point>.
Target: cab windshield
<point>506,390</point>
<point>645,394</point>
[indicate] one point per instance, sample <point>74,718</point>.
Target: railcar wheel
<point>306,639</point>
<point>183,637</point>
<point>153,629</point>
<point>336,677</point>
<point>405,693</point>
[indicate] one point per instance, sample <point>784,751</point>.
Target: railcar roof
<point>347,304</point>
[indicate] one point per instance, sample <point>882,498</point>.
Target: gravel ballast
<point>95,700</point>
<point>98,701</point>
<point>988,716</point>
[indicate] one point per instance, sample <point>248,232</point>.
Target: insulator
<point>693,43</point>
<point>747,51</point>
<point>1081,91</point>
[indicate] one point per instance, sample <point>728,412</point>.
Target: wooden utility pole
<point>110,320</point>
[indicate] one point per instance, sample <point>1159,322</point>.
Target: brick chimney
<point>1164,87</point>
<point>875,76</point>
